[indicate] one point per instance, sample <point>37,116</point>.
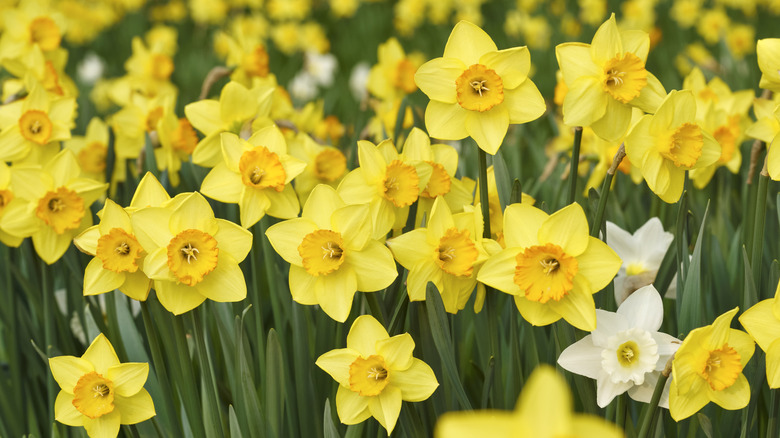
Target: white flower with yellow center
<point>625,352</point>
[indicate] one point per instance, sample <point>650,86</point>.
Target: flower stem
<point>483,192</point>
<point>575,161</point>
<point>48,326</point>
<point>620,411</point>
<point>598,221</point>
<point>649,414</point>
<point>758,227</point>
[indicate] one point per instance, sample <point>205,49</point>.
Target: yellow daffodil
<point>177,141</point>
<point>256,175</point>
<point>56,205</point>
<point>331,253</point>
<point>98,392</point>
<point>670,142</point>
<point>768,51</point>
<point>91,150</point>
<point>118,256</point>
<point>544,410</point>
<point>606,78</point>
<point>31,23</point>
<point>191,256</point>
<point>708,367</point>
<point>448,252</point>
<point>494,205</point>
<point>234,112</point>
<point>376,373</point>
<point>135,123</point>
<point>33,126</point>
<point>324,165</point>
<point>46,69</point>
<point>762,322</point>
<point>767,128</point>
<point>393,76</point>
<point>551,265</point>
<point>149,193</point>
<point>6,197</point>
<point>477,90</point>
<point>387,181</point>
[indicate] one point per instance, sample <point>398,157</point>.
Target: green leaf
<point>503,181</point>
<point>274,384</point>
<point>692,308</point>
<point>235,429</point>
<point>329,429</point>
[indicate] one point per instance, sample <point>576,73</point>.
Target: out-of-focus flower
<point>625,352</point>
<point>477,90</point>
<point>321,67</point>
<point>90,69</point>
<point>544,410</point>
<point>712,25</point>
<point>708,367</point>
<point>324,165</point>
<point>768,51</point>
<point>98,392</point>
<point>303,86</point>
<point>91,150</point>
<point>358,80</point>
<point>606,78</point>
<point>763,324</point>
<point>741,40</point>
<point>376,373</point>
<point>331,253</point>
<point>641,252</point>
<point>393,76</point>
<point>6,197</point>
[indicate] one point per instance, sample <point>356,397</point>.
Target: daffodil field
<point>416,218</point>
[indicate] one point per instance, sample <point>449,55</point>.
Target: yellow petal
<point>574,61</point>
<point>65,412</point>
<point>237,103</point>
<point>773,365</point>
<point>353,222</point>
<point>232,149</point>
<point>606,42</point>
<point>397,353</point>
<point>101,354</point>
<point>253,204</point>
<point>499,270</point>
<point>356,189</point>
<point>129,378</point>
<point>743,343</point>
<point>585,102</point>
<point>337,363</point>
<point>177,298</point>
<point>534,312</point>
<point>67,370</point>
<point>233,239</point>
<point>488,128</point>
<point>615,122</point>
<point>639,141</point>
<point>364,333</point>
<point>284,204</point>
<point>527,235</point>
<point>136,408</point>
<point>545,404</point>
<point>478,423</point>
<point>422,272</point>
<point>285,237</point>
<point>136,285</point>
<point>410,247</point>
<point>567,228</point>
<point>222,184</point>
<point>351,406</point>
<point>734,397</point>
<point>512,65</point>
<point>591,425</point>
<point>524,103</point>
<point>761,323</point>
<point>208,152</point>
<point>194,213</point>
<point>49,245</point>
<point>149,193</point>
<point>98,280</point>
<point>114,216</point>
<point>577,307</point>
<point>302,285</point>
<point>374,267</point>
<point>599,264</point>
<point>651,95</point>
<point>436,78</point>
<point>226,283</point>
<point>204,115</point>
<point>386,407</point>
<point>636,42</point>
<point>321,204</point>
<point>417,382</point>
<point>335,293</point>
<point>446,121</point>
<point>468,43</point>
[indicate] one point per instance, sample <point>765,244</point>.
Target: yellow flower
<point>177,140</point>
<point>56,205</point>
<point>762,322</point>
<point>100,393</point>
<point>606,78</point>
<point>191,256</point>
<point>234,112</point>
<point>448,252</point>
<point>6,197</point>
<point>331,253</point>
<point>31,23</point>
<point>477,90</point>
<point>708,367</point>
<point>670,142</point>
<point>118,256</point>
<point>768,51</point>
<point>91,150</point>
<point>376,373</point>
<point>256,175</point>
<point>544,410</point>
<point>393,76</point>
<point>324,165</point>
<point>551,265</point>
<point>494,204</point>
<point>387,181</point>
<point>35,126</point>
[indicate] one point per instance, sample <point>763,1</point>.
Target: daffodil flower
<point>324,165</point>
<point>477,90</point>
<point>91,150</point>
<point>763,324</point>
<point>6,197</point>
<point>376,373</point>
<point>449,252</point>
<point>98,392</point>
<point>393,75</point>
<point>551,265</point>
<point>668,143</point>
<point>544,410</point>
<point>191,256</point>
<point>708,367</point>
<point>606,78</point>
<point>331,253</point>
<point>256,175</point>
<point>626,352</point>
<point>768,52</point>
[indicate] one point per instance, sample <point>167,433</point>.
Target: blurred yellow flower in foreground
<point>376,373</point>
<point>544,410</point>
<point>98,392</point>
<point>551,265</point>
<point>477,90</point>
<point>708,367</point>
<point>762,322</point>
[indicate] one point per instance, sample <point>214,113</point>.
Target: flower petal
<point>150,227</point>
<point>734,397</point>
<point>177,298</point>
<point>65,412</point>
<point>98,280</point>
<point>535,313</point>
<point>598,264</point>
<point>337,364</point>
<point>364,334</point>
<point>374,267</point>
<point>446,121</point>
<point>351,406</point>
<point>233,239</point>
<point>226,283</point>
<point>574,61</point>
<point>607,390</point>
<point>606,42</point>
<point>335,293</point>
<point>567,228</point>
<point>136,408</point>
<point>417,383</point>
<point>67,370</point>
<point>397,352</point>
<point>488,128</point>
<point>386,407</point>
<point>222,184</point>
<point>194,212</point>
<point>468,43</point>
<point>585,102</point>
<point>499,271</point>
<point>253,205</point>
<point>577,307</point>
<point>582,357</point>
<point>436,78</point>
<point>302,285</point>
<point>101,354</point>
<point>644,309</point>
<point>512,65</point>
<point>761,323</point>
<point>285,237</point>
<point>524,103</point>
<point>129,378</point>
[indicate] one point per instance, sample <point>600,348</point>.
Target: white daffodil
<point>641,253</point>
<point>625,352</point>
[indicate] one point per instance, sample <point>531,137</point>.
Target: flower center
<point>369,376</point>
<point>192,254</point>
<point>624,77</point>
<point>722,368</point>
<point>161,67</point>
<point>628,354</point>
<point>93,395</point>
<point>322,252</point>
<point>727,135</point>
<point>456,253</point>
<point>35,126</point>
<point>330,165</point>
<point>545,272</point>
<point>685,145</point>
<point>261,168</point>
<point>45,33</point>
<point>92,158</point>
<point>440,182</point>
<point>404,76</point>
<point>255,63</point>
<point>119,251</point>
<point>184,137</point>
<point>401,184</point>
<point>61,209</point>
<point>479,88</point>
<point>635,269</point>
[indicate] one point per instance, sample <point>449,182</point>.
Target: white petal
<point>582,357</point>
<point>607,324</point>
<point>606,389</point>
<point>643,309</point>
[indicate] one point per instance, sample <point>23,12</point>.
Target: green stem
<point>598,221</point>
<point>620,411</point>
<point>190,398</point>
<point>483,192</point>
<point>758,228</point>
<point>48,327</point>
<point>647,418</point>
<point>575,161</point>
<point>210,386</point>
